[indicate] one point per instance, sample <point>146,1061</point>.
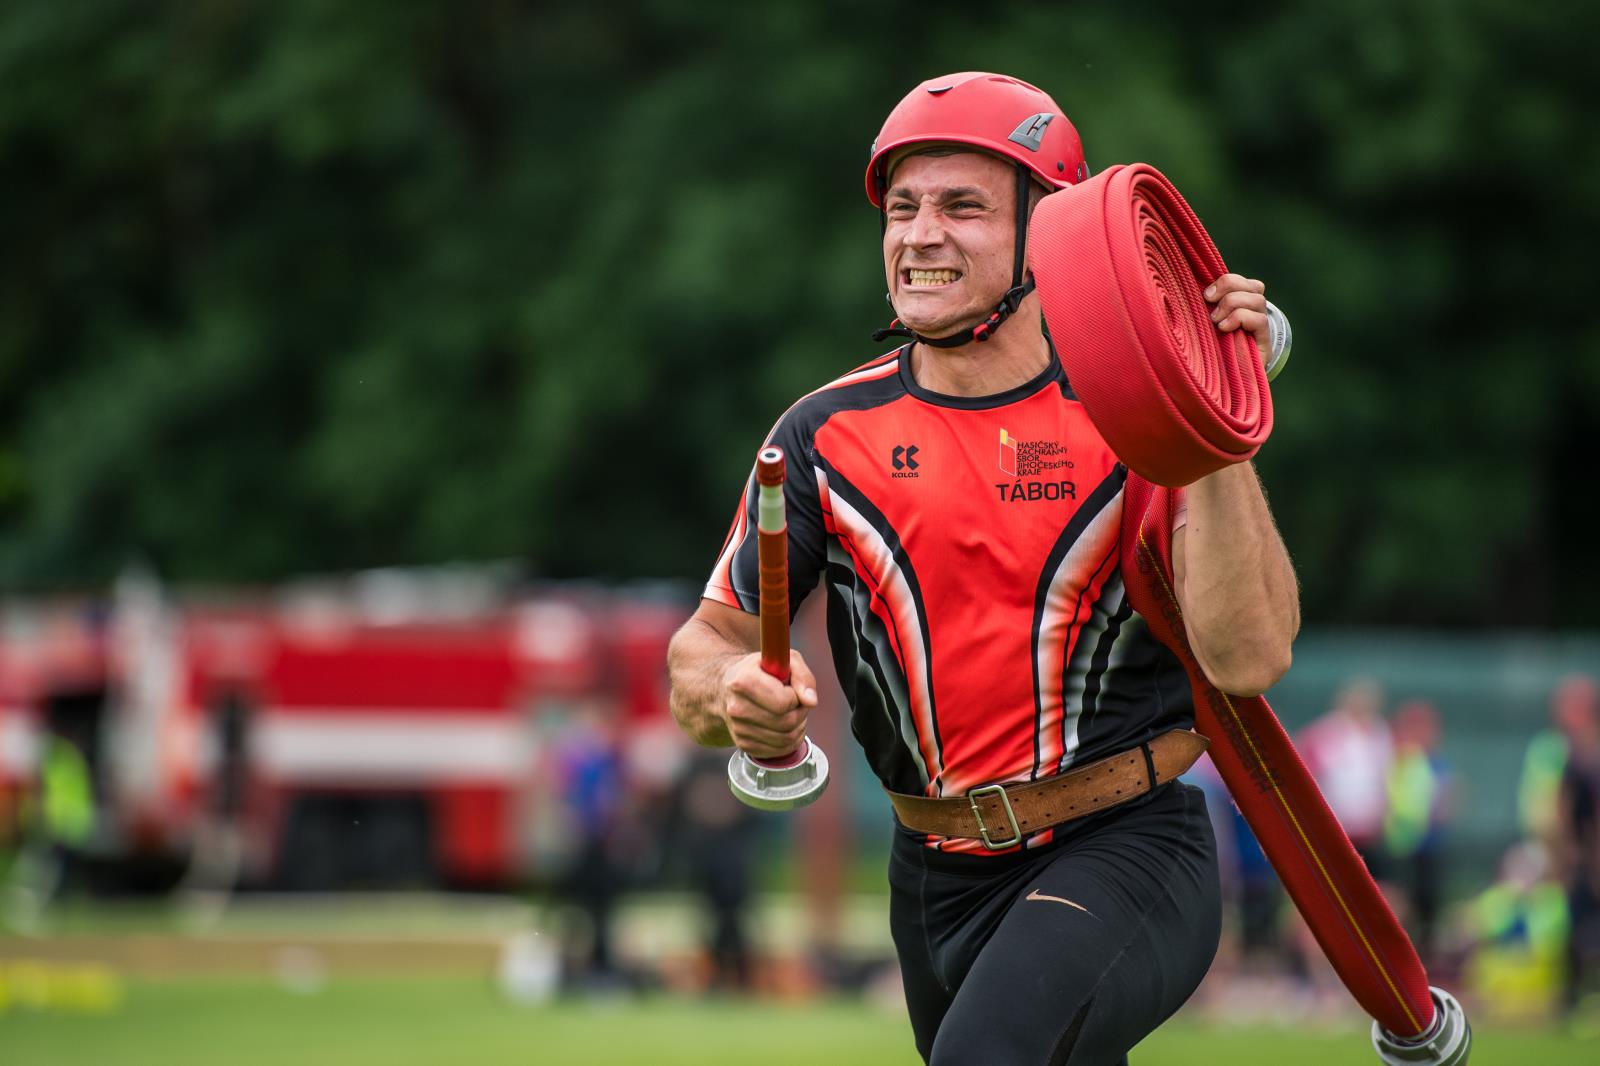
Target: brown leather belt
<point>1001,815</point>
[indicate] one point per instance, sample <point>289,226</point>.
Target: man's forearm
<point>697,660</point>
<point>1241,600</point>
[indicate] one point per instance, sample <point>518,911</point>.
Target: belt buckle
<point>1011,817</point>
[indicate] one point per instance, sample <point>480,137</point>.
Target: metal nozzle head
<point>1447,1042</point>
<point>769,786</point>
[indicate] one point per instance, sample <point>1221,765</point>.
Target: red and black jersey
<point>969,546</point>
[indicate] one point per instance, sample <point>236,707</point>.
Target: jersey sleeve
<point>735,578</point>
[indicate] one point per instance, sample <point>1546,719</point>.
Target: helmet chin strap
<point>1019,290</point>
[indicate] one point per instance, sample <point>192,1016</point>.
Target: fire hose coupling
<point>1447,1042</point>
<point>1282,340</point>
<point>779,784</point>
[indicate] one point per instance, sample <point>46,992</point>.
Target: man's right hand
<point>765,717</point>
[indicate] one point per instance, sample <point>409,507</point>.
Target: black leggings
<point>1066,955</point>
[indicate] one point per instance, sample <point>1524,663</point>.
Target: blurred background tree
<point>299,286</point>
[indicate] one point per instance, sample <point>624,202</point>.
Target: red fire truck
<point>398,729</point>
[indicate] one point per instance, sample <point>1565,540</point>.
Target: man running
<point>965,517</point>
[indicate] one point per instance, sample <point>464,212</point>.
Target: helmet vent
<point>935,90</point>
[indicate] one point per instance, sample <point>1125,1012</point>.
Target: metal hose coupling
<point>779,784</point>
<point>1447,1042</point>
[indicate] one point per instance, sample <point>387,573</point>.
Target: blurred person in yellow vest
<point>1417,810</point>
<point>66,801</point>
<point>67,798</point>
<point>58,821</point>
<point>1546,758</point>
<point>1577,837</point>
<point>1519,931</point>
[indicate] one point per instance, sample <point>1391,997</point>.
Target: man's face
<point>951,235</point>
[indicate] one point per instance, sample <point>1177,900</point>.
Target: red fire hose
<point>1117,260</point>
<point>1121,262</point>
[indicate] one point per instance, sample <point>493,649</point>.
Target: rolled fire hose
<point>1117,260</point>
<point>1121,263</point>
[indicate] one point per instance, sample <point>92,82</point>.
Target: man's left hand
<point>1241,303</point>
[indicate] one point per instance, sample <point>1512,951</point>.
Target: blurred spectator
<point>590,769</point>
<point>1577,850</point>
<point>716,834</point>
<point>67,809</point>
<point>1542,766</point>
<point>1260,894</point>
<point>1546,759</point>
<point>1219,806</point>
<point>1250,887</point>
<point>58,823</point>
<point>1519,930</point>
<point>1348,750</point>
<point>1418,808</point>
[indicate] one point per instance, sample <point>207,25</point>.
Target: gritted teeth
<point>931,277</point>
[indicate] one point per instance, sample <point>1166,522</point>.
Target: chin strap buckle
<point>1008,307</point>
<point>894,329</point>
<point>1014,297</point>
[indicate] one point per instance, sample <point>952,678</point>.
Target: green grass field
<point>412,1022</point>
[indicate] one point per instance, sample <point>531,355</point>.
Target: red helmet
<point>998,114</point>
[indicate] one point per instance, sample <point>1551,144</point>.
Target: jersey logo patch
<point>1031,458</point>
<point>1008,454</point>
<point>904,458</point>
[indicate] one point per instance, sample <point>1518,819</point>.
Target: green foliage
<point>301,286</point>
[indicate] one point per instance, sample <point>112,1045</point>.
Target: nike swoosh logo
<point>1037,895</point>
